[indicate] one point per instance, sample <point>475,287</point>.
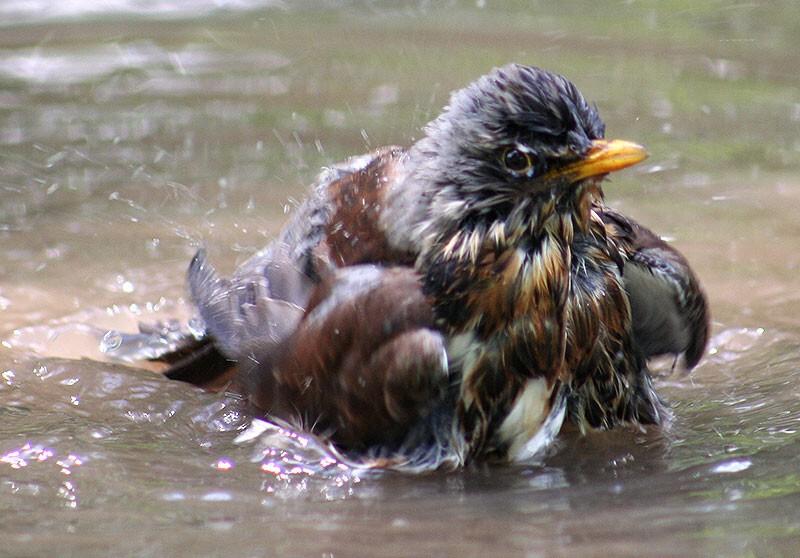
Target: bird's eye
<point>517,162</point>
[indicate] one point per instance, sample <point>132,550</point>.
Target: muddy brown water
<point>132,134</point>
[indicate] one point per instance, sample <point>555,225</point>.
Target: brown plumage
<point>458,299</point>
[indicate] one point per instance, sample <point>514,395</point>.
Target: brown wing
<point>643,300</point>
<point>669,311</point>
<point>261,304</point>
<point>366,365</point>
<point>340,223</point>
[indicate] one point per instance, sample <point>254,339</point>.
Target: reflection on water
<point>133,133</point>
<point>38,10</point>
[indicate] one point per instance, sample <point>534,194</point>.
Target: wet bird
<point>459,299</point>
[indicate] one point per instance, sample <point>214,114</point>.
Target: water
<point>134,133</point>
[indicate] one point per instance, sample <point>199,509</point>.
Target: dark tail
<point>200,363</point>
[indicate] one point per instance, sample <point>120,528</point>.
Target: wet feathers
<point>458,299</point>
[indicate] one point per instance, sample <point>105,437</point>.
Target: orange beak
<point>604,156</point>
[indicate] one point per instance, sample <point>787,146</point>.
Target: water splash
<point>151,342</point>
<point>295,463</point>
<point>730,344</point>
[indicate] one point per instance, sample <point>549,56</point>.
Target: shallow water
<point>132,135</point>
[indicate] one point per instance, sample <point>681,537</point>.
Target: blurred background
<point>134,132</point>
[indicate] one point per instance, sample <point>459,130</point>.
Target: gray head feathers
<point>518,104</point>
<point>456,171</point>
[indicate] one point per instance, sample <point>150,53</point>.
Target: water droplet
<point>197,327</point>
<point>111,341</point>
<point>224,464</point>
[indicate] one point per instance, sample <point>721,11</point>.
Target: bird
<point>458,300</point>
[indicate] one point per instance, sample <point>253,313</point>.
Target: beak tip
<point>613,155</point>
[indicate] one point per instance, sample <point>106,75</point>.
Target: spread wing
<point>261,304</point>
<point>669,311</point>
<point>633,297</point>
<point>366,365</point>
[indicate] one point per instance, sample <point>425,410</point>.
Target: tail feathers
<point>218,308</point>
<point>199,363</point>
<point>251,313</point>
<point>191,356</point>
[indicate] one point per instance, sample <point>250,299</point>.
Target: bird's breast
<point>505,287</point>
<point>504,312</point>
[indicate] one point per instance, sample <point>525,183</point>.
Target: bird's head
<point>512,142</point>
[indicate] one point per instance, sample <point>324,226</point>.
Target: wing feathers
<point>668,307</point>
<point>365,363</point>
<point>249,312</point>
